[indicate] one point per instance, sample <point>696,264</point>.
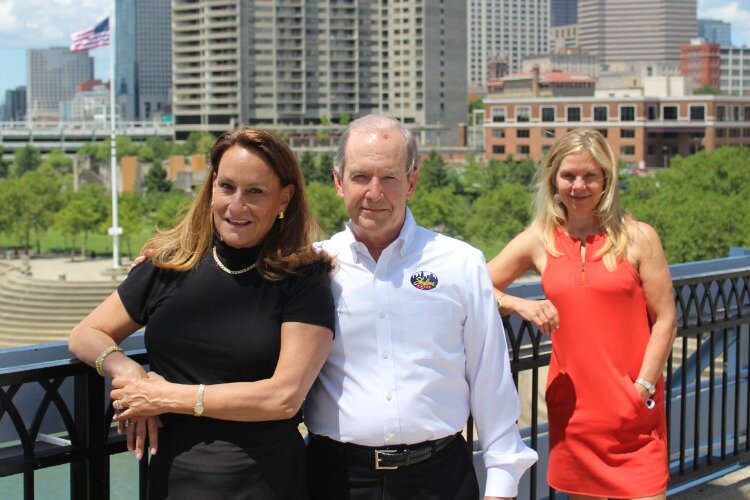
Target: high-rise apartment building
<point>299,62</point>
<point>143,74</point>
<point>504,30</point>
<point>636,30</point>
<point>715,31</point>
<point>735,71</point>
<point>563,12</point>
<point>15,104</point>
<point>51,78</point>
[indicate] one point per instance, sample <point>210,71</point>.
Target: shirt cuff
<point>500,483</point>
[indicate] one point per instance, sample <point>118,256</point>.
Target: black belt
<point>387,457</point>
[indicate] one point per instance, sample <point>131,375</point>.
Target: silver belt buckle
<point>378,454</point>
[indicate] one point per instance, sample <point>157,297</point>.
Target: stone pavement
<point>54,268</point>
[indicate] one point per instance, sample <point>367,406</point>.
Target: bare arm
<point>657,287</point>
<point>304,348</point>
<point>105,326</point>
<point>524,253</point>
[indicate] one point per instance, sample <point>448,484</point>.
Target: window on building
<point>697,113</point>
<point>627,150</point>
<point>498,114</point>
<point>651,149</point>
<point>548,114</point>
<point>498,149</point>
<point>600,113</point>
<point>721,113</point>
<point>747,114</point>
<point>523,114</point>
<point>574,114</point>
<point>627,133</point>
<point>670,113</point>
<point>721,132</point>
<point>522,149</point>
<point>498,133</point>
<point>548,133</point>
<point>523,133</point>
<point>734,132</point>
<point>604,132</point>
<point>627,114</point>
<point>653,112</point>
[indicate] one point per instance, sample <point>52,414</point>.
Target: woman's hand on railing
<point>542,313</point>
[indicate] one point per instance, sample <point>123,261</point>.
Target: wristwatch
<point>198,407</point>
<point>646,385</point>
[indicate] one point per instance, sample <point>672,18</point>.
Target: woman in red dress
<point>610,311</point>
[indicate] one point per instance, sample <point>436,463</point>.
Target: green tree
<point>166,209</point>
<point>323,134</point>
<point>327,207</point>
<point>199,142</point>
<point>699,205</point>
<point>474,104</point>
<point>156,179</point>
<point>707,89</point>
<point>102,150</point>
<point>28,205</point>
<point>130,213</point>
<point>440,209</point>
<point>4,164</point>
<point>344,119</point>
<point>499,215</point>
<point>84,212</point>
<point>26,159</point>
<point>433,172</point>
<point>58,161</point>
<point>308,166</point>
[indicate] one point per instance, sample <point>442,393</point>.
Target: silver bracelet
<point>651,388</point>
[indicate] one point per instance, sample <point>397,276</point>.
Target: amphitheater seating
<point>34,311</point>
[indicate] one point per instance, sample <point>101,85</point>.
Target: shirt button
<point>382,313</point>
<point>388,396</point>
<point>385,355</point>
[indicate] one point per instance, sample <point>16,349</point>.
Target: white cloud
<point>46,23</point>
<point>735,12</point>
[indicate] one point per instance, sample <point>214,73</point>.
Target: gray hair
<point>376,123</point>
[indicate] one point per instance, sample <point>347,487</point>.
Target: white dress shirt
<point>419,343</point>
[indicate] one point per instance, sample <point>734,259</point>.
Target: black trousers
<point>449,475</point>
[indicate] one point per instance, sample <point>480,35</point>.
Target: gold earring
<point>281,215</point>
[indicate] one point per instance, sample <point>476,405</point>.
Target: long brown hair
<point>288,245</point>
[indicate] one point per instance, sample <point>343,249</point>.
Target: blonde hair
<point>611,219</point>
<point>288,245</point>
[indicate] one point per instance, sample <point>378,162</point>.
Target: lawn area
<point>101,243</point>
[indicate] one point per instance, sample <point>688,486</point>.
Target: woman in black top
<point>239,319</point>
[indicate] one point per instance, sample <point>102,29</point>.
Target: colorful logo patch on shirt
<point>424,280</point>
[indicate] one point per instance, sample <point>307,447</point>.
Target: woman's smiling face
<point>580,183</point>
<point>246,199</point>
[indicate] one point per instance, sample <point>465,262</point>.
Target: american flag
<point>91,37</point>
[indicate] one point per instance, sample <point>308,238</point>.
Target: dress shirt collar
<point>404,240</point>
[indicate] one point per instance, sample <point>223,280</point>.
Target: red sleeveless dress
<point>604,441</point>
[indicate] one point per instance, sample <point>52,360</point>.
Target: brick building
<point>642,131</point>
<point>701,62</point>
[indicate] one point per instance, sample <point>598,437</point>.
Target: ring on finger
<point>117,403</point>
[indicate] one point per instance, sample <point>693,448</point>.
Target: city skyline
<point>26,24</point>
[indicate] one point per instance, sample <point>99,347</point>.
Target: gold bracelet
<point>500,301</point>
<point>100,359</point>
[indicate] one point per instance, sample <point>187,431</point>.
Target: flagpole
<point>115,229</point>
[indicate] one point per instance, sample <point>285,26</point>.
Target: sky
<point>28,24</point>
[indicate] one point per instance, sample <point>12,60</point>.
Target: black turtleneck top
<point>208,326</point>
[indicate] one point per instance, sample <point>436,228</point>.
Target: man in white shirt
<point>419,344</point>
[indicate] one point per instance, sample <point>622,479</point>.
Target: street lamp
<point>665,152</point>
